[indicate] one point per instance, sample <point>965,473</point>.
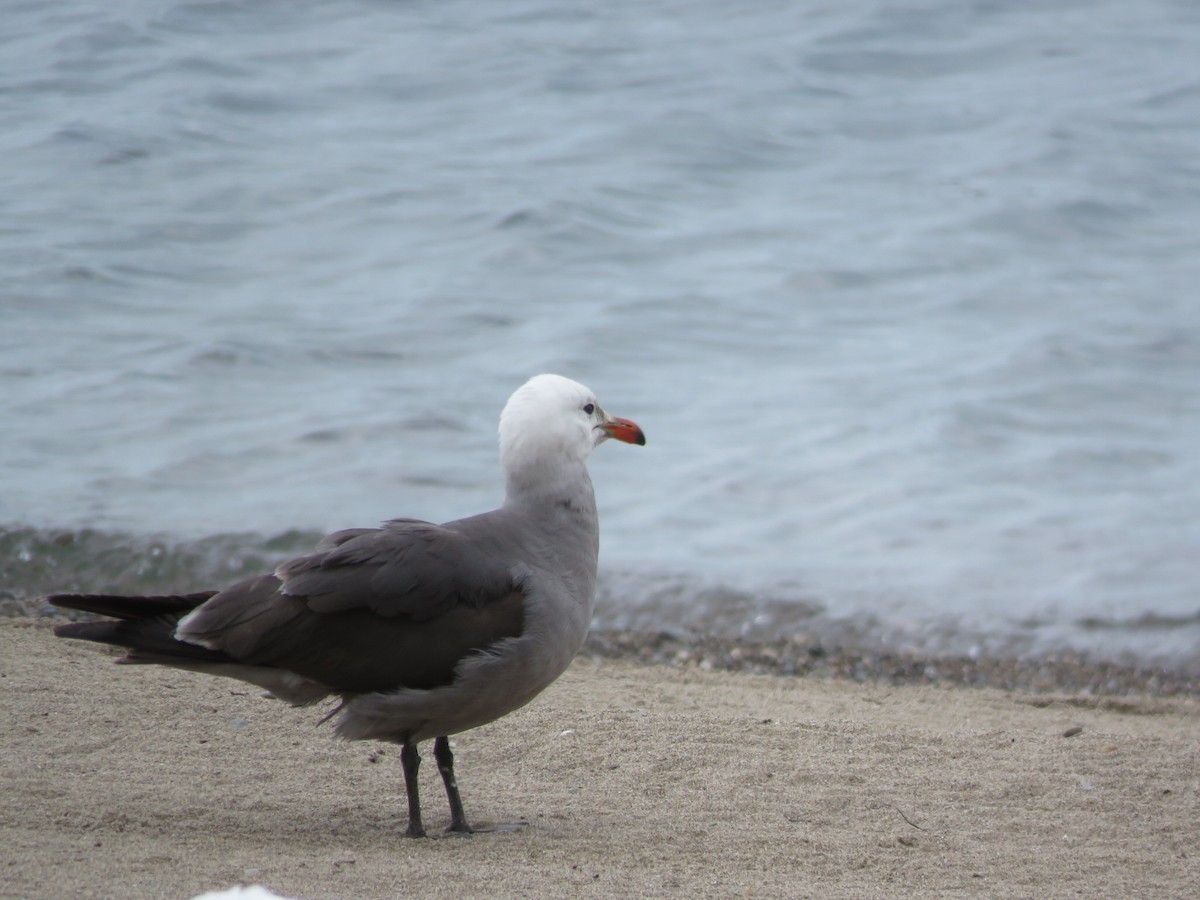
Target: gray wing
<point>406,568</point>
<point>370,610</point>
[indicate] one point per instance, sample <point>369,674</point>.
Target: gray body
<point>515,586</point>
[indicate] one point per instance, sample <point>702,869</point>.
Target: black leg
<point>445,764</point>
<point>410,759</point>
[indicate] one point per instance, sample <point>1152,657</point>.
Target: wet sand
<point>636,779</point>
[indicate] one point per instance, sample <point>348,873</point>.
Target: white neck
<point>538,482</point>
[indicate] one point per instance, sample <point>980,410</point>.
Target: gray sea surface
<point>904,294</point>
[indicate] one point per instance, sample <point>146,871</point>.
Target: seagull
<point>421,630</point>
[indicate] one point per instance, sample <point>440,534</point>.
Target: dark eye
<point>590,408</point>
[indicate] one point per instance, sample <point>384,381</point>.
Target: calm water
<point>904,296</point>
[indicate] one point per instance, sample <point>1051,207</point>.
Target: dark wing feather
<point>120,607</point>
<point>145,625</point>
<point>149,639</point>
<point>370,610</point>
<point>358,651</point>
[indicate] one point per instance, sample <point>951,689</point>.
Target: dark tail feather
<point>130,607</point>
<point>145,625</point>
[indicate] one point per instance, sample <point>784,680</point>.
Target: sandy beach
<point>635,780</point>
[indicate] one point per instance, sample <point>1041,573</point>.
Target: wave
<point>35,562</point>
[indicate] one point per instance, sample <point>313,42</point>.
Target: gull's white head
<point>552,423</point>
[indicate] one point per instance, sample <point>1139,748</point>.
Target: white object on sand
<point>250,892</point>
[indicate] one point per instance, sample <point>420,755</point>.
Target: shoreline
<point>812,657</point>
<point>819,656</point>
<point>634,779</point>
<point>719,632</point>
